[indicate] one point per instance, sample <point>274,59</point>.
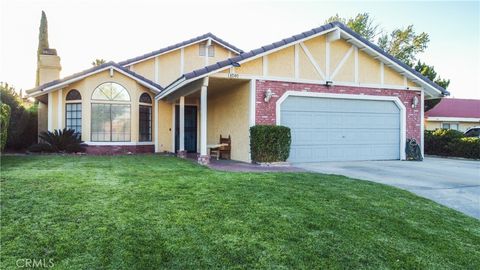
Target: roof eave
<point>41,91</point>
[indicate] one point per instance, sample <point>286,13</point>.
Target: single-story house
<point>343,97</point>
<point>454,113</point>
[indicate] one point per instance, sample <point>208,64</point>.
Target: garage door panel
<point>325,129</point>
<point>338,105</point>
<point>341,136</point>
<point>342,152</point>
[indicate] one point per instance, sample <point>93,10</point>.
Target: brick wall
<point>119,149</point>
<point>265,112</point>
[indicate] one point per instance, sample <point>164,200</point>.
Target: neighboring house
<point>454,113</point>
<point>342,96</point>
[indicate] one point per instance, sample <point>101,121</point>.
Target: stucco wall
<point>165,126</point>
<point>86,88</point>
<point>228,114</point>
<point>42,115</point>
<point>462,126</point>
<point>281,65</point>
<point>170,67</point>
<point>265,113</point>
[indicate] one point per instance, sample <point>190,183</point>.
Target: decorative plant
<point>4,121</point>
<point>269,143</point>
<point>66,140</point>
<point>447,142</point>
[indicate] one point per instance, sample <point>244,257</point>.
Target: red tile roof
<point>456,107</point>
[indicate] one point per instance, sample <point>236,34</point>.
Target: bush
<point>22,130</point>
<point>465,147</point>
<point>66,140</point>
<point>269,143</point>
<point>447,142</point>
<point>40,148</point>
<point>4,120</point>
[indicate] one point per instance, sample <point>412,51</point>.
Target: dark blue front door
<point>190,128</point>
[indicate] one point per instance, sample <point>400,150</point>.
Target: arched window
<point>73,111</point>
<point>145,118</point>
<point>74,95</point>
<point>110,91</point>
<point>110,113</point>
<point>145,98</point>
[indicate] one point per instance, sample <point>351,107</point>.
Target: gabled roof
<point>80,75</point>
<point>295,39</point>
<point>180,45</point>
<point>456,107</point>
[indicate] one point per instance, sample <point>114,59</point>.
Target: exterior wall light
<point>414,102</point>
<point>328,83</point>
<point>268,95</point>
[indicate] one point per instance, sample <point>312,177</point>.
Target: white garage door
<point>332,129</point>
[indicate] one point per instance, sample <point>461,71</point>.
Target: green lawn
<point>145,212</point>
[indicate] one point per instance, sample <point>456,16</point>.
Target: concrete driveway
<point>451,182</point>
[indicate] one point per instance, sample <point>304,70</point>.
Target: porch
<point>205,109</point>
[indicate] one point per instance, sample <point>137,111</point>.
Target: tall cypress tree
<point>42,41</point>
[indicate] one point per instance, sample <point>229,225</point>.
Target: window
<point>74,95</point>
<point>73,109</point>
<point>111,92</point>
<point>473,132</point>
<point>211,50</point>
<point>145,98</point>
<point>453,126</point>
<point>111,119</point>
<point>145,115</point>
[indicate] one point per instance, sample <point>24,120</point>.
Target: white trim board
<point>398,102</point>
<point>454,119</point>
<point>60,109</point>
<point>252,105</point>
<point>117,143</point>
<point>318,82</point>
<point>50,112</point>
<point>155,123</point>
<point>67,82</point>
<point>350,38</point>
<point>422,123</point>
<point>183,81</point>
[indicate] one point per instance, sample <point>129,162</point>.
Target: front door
<point>190,128</point>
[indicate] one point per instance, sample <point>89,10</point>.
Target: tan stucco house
<point>343,98</point>
<point>454,113</point>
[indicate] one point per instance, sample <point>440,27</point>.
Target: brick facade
<point>119,149</point>
<point>265,112</point>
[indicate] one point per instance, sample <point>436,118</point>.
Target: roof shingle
<point>266,48</point>
<point>178,45</point>
<point>92,70</point>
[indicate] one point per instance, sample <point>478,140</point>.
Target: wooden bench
<point>223,149</point>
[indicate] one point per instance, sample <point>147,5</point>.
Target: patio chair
<point>222,152</point>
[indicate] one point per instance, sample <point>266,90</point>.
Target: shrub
<point>269,143</point>
<point>4,120</point>
<point>436,141</point>
<point>447,142</point>
<point>66,140</point>
<point>465,147</point>
<point>22,130</point>
<point>40,148</point>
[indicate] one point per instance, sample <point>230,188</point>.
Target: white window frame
<point>450,125</point>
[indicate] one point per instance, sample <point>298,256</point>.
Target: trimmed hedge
<point>4,122</point>
<point>447,142</point>
<point>269,143</point>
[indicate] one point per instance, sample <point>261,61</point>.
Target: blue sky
<point>114,30</point>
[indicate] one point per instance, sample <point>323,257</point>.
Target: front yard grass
<point>146,212</point>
